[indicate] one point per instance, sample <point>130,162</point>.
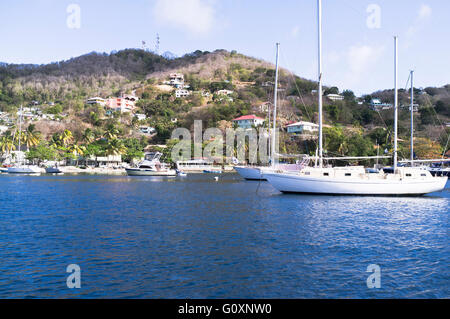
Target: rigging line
<point>446,146</point>
<point>434,111</point>
<point>296,86</point>
<point>407,81</point>
<point>309,117</point>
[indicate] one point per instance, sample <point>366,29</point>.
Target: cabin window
<point>409,175</point>
<point>423,174</point>
<point>348,174</point>
<point>326,174</point>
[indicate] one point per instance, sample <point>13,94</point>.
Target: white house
<point>182,93</point>
<point>302,128</point>
<point>96,100</point>
<point>376,104</point>
<point>265,107</point>
<point>335,97</point>
<point>140,117</point>
<point>247,121</point>
<point>176,79</point>
<point>147,129</point>
<point>224,92</point>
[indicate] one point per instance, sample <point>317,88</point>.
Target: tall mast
<point>20,128</point>
<point>395,101</point>
<point>412,118</point>
<point>275,98</point>
<point>319,14</point>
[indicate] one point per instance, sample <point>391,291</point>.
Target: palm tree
<point>66,137</point>
<point>77,150</point>
<point>115,147</point>
<point>88,136</point>
<point>7,143</point>
<point>111,132</point>
<point>30,137</point>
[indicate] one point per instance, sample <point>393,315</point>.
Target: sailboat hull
<point>390,186</point>
<point>24,170</point>
<point>150,172</point>
<point>250,173</point>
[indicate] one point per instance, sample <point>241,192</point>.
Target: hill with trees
<point>61,89</point>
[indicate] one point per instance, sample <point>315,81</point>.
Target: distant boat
<point>196,166</point>
<point>151,166</point>
<point>181,174</point>
<point>53,170</point>
<point>24,169</point>
<point>210,171</point>
<point>20,167</point>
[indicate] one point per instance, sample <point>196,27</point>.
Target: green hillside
<point>61,90</point>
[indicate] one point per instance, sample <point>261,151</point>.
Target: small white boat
<point>53,170</point>
<point>196,166</point>
<point>151,166</point>
<point>3,169</point>
<point>212,171</point>
<point>24,169</point>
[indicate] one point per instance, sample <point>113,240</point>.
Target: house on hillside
<point>377,105</point>
<point>265,107</point>
<point>140,117</point>
<point>147,129</point>
<point>335,97</point>
<point>224,92</point>
<point>176,80</point>
<point>96,100</point>
<point>182,93</point>
<point>123,104</point>
<point>248,121</point>
<point>302,127</point>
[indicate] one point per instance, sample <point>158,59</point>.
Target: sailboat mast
<point>20,128</point>
<point>275,99</point>
<point>412,118</point>
<point>319,91</point>
<point>395,101</point>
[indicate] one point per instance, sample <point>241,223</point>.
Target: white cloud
<point>194,16</point>
<point>294,31</point>
<point>424,12</point>
<point>361,58</point>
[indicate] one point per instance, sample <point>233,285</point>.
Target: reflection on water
<point>159,237</point>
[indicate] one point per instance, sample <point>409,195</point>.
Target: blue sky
<point>357,39</point>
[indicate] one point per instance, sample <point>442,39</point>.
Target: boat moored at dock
<point>197,166</point>
<point>151,166</point>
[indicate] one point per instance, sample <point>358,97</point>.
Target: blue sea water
<point>146,237</point>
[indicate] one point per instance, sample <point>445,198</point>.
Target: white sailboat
<point>20,167</point>
<point>354,180</point>
<point>257,172</point>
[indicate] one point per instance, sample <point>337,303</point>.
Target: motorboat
<point>53,170</point>
<point>24,169</point>
<point>151,166</point>
<point>196,166</point>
